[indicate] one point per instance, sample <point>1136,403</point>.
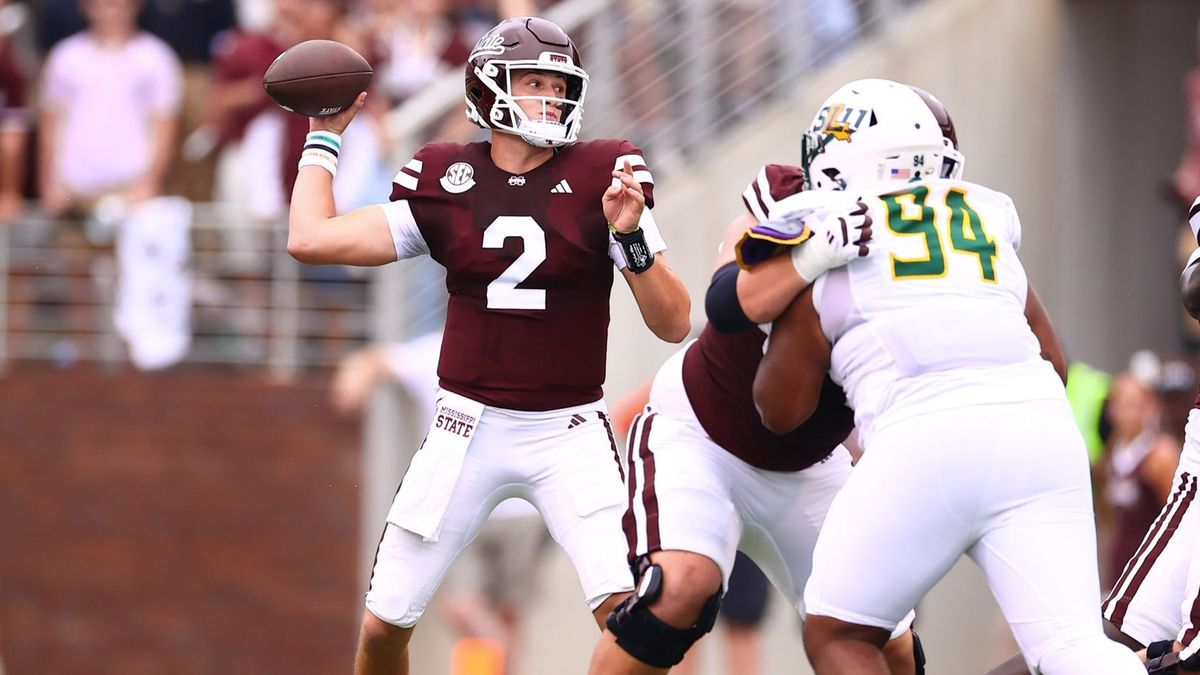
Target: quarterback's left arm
<point>788,384</point>
<point>660,294</point>
<point>1043,329</point>
<point>663,300</point>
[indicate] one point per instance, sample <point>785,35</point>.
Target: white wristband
<point>319,158</point>
<point>321,148</point>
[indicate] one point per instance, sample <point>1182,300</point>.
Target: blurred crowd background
<point>199,436</point>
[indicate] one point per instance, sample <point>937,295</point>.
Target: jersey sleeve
<point>402,222</point>
<point>641,173</point>
<point>772,183</point>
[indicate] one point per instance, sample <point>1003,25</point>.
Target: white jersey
<point>935,319</point>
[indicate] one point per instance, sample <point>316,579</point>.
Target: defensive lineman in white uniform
<point>970,445</point>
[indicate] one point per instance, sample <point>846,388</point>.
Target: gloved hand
<point>838,239</point>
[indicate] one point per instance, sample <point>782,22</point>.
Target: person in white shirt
<point>109,110</point>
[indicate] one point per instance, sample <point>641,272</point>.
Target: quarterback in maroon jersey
<point>529,227</point>
<point>706,478</point>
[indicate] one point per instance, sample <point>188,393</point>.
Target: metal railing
<point>671,75</point>
<point>251,304</point>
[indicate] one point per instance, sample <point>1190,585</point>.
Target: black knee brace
<point>647,638</point>
<point>1161,658</point>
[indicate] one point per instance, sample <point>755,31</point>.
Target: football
<point>317,78</point>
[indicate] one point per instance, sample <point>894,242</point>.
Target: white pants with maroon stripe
<point>564,462</point>
<point>1006,484</point>
<point>1158,594</point>
<point>687,493</point>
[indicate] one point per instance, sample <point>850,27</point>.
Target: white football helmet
<point>525,43</point>
<point>873,131</point>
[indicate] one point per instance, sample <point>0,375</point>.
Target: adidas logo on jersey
<point>563,188</point>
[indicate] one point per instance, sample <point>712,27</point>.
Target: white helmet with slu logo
<point>873,131</point>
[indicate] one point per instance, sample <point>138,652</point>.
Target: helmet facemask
<point>506,113</point>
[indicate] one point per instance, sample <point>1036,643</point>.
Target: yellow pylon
<point>477,656</point>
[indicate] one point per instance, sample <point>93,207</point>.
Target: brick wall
<point>178,523</point>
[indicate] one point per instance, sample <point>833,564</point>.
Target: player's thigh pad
<point>679,491</point>
<point>575,472</point>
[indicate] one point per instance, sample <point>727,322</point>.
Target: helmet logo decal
<point>459,178</point>
<point>488,45</point>
<point>835,120</point>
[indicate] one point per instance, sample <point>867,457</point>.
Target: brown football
<point>317,78</point>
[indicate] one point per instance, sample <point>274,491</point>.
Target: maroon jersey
<point>14,104</point>
<point>718,373</point>
<point>718,376</point>
<point>527,268</point>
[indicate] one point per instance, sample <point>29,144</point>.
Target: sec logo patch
<point>459,178</point>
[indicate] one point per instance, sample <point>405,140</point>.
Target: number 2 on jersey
<point>503,293</point>
<point>966,234</point>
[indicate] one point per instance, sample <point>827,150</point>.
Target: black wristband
<point>638,256</point>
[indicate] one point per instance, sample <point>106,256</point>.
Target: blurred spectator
<point>493,582</point>
<point>111,86</point>
<point>14,123</point>
<point>1139,463</point>
<point>421,43</point>
<point>1185,182</point>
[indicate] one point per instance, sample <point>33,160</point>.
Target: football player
<point>955,376</point>
<point>706,479</point>
<point>1156,602</point>
<point>529,227</point>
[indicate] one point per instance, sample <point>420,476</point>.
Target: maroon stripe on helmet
<point>649,496</point>
<point>628,521</point>
<point>1139,566</point>
<point>612,443</point>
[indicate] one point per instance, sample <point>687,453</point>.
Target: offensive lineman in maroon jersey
<point>528,228</point>
<point>706,478</point>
